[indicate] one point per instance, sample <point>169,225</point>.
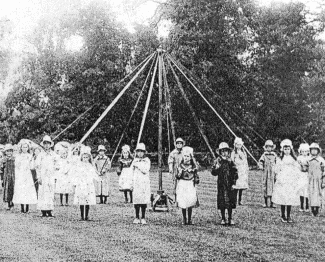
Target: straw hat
<point>286,142</point>
<point>85,150</point>
<point>141,146</point>
<point>179,140</point>
<point>101,147</point>
<point>223,145</point>
<point>238,141</point>
<point>269,143</point>
<point>47,138</point>
<point>8,147</point>
<point>303,147</point>
<point>315,146</point>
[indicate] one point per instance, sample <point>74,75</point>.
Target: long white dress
<point>45,167</point>
<point>85,191</point>
<point>141,180</point>
<point>186,195</point>
<point>287,185</point>
<point>24,189</point>
<point>63,183</point>
<point>304,179</point>
<point>103,164</point>
<point>125,181</point>
<point>240,159</point>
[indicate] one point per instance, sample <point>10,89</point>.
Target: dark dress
<point>227,176</point>
<point>8,178</point>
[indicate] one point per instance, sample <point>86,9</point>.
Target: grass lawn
<point>258,235</point>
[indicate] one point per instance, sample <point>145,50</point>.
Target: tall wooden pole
<point>160,83</point>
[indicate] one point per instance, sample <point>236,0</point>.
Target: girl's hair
<point>129,154</point>
<point>292,153</point>
<point>90,158</point>
<point>20,149</point>
<point>191,161</point>
<point>241,149</point>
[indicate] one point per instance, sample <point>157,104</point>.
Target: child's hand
<point>260,166</point>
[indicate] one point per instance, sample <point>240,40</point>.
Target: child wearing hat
<point>102,164</point>
<point>239,157</point>
<point>8,169</point>
<point>316,175</point>
<point>24,191</point>
<point>267,163</point>
<point>125,173</point>
<point>63,185</point>
<point>141,183</point>
<point>286,187</point>
<point>174,159</point>
<point>186,195</point>
<point>45,168</point>
<point>225,169</point>
<point>84,182</point>
<point>303,160</point>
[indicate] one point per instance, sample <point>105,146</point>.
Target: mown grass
<point>110,235</point>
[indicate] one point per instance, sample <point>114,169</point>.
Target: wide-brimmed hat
<point>223,145</point>
<point>315,146</point>
<point>179,140</point>
<point>47,138</point>
<point>269,143</point>
<point>187,150</point>
<point>286,142</point>
<point>303,147</point>
<point>140,146</point>
<point>101,147</point>
<point>126,148</point>
<point>8,147</point>
<point>238,141</point>
<point>85,150</point>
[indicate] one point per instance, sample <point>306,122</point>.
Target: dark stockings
<point>240,193</point>
<point>315,210</point>
<point>126,196</point>
<point>24,210</point>
<point>66,199</point>
<point>143,211</point>
<point>189,214</point>
<point>283,215</point>
<point>302,200</point>
<point>223,214</point>
<point>84,211</point>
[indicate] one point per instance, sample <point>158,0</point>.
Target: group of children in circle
<point>34,174</point>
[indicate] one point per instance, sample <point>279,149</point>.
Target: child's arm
<point>261,162</point>
<point>120,167</point>
<point>215,167</point>
<point>143,166</point>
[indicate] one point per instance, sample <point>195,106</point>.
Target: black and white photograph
<point>162,130</point>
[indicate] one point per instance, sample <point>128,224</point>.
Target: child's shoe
<point>283,220</point>
<point>143,221</point>
<point>136,221</point>
<point>289,220</point>
<point>231,222</point>
<point>223,222</point>
<point>301,210</point>
<point>190,222</point>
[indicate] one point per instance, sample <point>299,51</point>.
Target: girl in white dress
<point>24,189</point>
<point>141,183</point>
<point>63,184</point>
<point>125,173</point>
<point>86,174</point>
<point>187,179</point>
<point>303,160</point>
<point>239,157</point>
<point>286,187</point>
